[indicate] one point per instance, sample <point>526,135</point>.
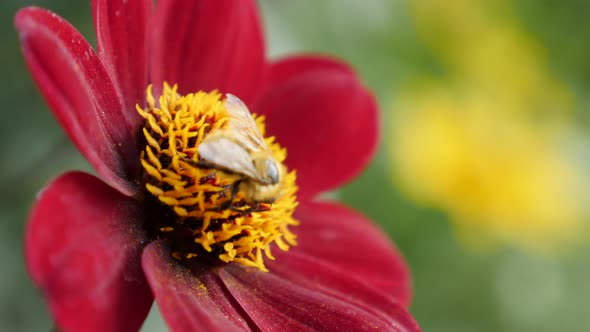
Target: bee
<point>240,149</point>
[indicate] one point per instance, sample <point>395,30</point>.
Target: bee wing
<point>231,147</point>
<point>224,152</point>
<point>243,126</point>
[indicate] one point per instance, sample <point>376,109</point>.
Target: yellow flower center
<point>212,209</point>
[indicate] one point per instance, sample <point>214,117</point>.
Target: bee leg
<point>256,207</point>
<point>234,191</point>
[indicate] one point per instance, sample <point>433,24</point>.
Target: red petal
<point>80,92</point>
<point>206,45</point>
<point>121,35</point>
<point>279,303</point>
<point>339,238</point>
<point>332,281</point>
<point>190,302</point>
<point>82,248</point>
<point>318,110</point>
<point>344,272</point>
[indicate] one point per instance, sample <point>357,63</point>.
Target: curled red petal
<point>188,301</point>
<point>121,35</point>
<point>80,92</point>
<point>206,45</point>
<point>82,249</point>
<point>325,117</point>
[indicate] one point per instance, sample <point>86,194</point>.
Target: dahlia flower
<point>160,223</point>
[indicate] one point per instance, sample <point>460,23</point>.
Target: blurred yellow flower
<point>498,175</point>
<point>490,144</point>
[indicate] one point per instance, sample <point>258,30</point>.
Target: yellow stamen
<point>201,198</point>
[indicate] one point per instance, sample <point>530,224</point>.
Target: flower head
<point>221,241</point>
<point>219,210</point>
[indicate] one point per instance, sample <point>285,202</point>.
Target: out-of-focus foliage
<point>410,53</point>
<point>480,45</point>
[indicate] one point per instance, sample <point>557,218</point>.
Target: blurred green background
<point>457,286</point>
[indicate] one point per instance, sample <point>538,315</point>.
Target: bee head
<point>269,168</point>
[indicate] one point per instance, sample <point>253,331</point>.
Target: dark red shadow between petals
<point>189,301</point>
<point>80,94</point>
<point>206,45</point>
<point>318,110</point>
<point>121,34</point>
<point>82,247</point>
